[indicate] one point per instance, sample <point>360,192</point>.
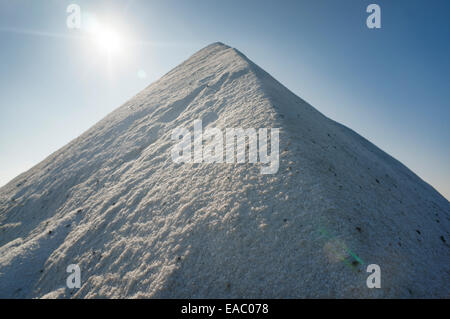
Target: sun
<point>103,36</point>
<point>107,40</point>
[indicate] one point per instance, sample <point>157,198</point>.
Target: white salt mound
<point>140,225</point>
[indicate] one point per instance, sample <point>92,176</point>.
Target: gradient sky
<point>391,85</point>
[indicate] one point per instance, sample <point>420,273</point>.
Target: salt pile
<point>140,225</point>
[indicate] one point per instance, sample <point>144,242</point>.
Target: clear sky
<point>391,85</point>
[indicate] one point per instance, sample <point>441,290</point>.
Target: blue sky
<point>391,85</point>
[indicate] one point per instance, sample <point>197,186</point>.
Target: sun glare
<point>108,43</point>
<point>107,40</point>
<point>104,37</point>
